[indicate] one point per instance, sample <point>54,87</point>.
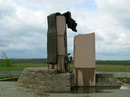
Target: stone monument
<point>57,40</point>
<point>55,77</point>
<point>84,59</point>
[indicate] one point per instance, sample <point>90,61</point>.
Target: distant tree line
<point>44,61</point>
<point>113,62</point>
<point>37,60</point>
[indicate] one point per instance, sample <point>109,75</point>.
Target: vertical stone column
<point>84,59</point>
<point>57,57</point>
<point>61,42</point>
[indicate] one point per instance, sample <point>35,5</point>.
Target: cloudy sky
<point>23,26</point>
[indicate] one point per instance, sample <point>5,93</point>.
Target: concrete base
<point>46,80</point>
<point>49,80</point>
<point>106,79</point>
<point>85,76</point>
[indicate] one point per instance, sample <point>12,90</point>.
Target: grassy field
<point>20,66</point>
<point>112,68</point>
<point>99,67</point>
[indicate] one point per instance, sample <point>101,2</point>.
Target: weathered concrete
<point>17,74</point>
<point>46,80</point>
<point>85,76</point>
<point>84,59</point>
<point>106,79</point>
<point>9,73</point>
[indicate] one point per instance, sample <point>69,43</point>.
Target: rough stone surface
<point>17,74</point>
<point>9,73</point>
<point>106,79</point>
<point>46,80</point>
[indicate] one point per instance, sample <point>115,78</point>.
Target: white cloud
<point>116,31</point>
<point>119,10</point>
<point>51,5</point>
<point>22,29</point>
<point>6,8</point>
<point>24,26</point>
<point>110,26</point>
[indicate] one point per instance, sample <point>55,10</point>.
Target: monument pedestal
<point>85,76</point>
<point>46,80</point>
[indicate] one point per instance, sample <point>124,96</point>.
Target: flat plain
<point>99,67</point>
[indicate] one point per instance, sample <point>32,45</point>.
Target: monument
<point>57,40</point>
<point>84,59</point>
<point>56,77</point>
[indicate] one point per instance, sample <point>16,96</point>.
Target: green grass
<point>99,67</point>
<point>20,66</point>
<point>112,68</point>
<point>3,77</point>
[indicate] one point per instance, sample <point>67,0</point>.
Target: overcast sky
<point>23,26</point>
